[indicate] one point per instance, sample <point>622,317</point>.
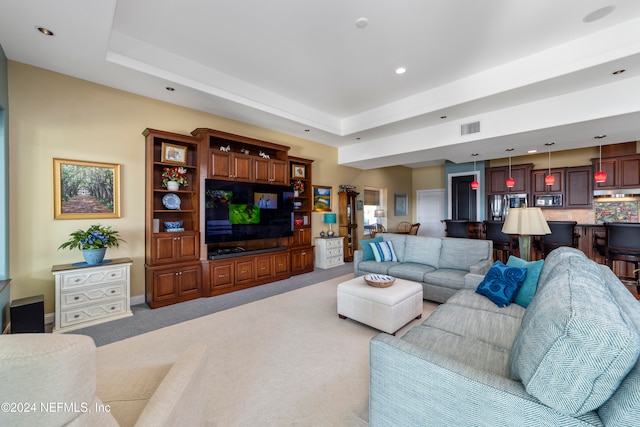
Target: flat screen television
<point>237,211</point>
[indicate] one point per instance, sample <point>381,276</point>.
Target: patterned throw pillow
<point>501,283</point>
<point>530,285</point>
<point>383,251</point>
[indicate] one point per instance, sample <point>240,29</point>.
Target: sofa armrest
<point>482,267</point>
<point>410,385</point>
<point>180,398</point>
<point>471,281</point>
<point>358,257</point>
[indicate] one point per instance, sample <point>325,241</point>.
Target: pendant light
<point>600,176</point>
<point>510,182</point>
<point>549,179</point>
<point>474,184</point>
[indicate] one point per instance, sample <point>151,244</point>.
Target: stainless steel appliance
<point>498,207</point>
<point>517,200</point>
<point>547,200</point>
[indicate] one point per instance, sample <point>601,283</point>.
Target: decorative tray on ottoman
<point>379,280</point>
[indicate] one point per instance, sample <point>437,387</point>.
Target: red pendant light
<point>600,176</point>
<point>510,182</point>
<point>474,184</point>
<point>549,179</point>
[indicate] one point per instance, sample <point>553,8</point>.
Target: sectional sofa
<point>570,358</point>
<point>439,264</point>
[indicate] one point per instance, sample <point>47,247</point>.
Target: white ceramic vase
<point>173,185</point>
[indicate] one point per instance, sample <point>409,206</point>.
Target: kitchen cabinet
<point>622,172</point>
<point>497,176</point>
<point>539,186</point>
<point>579,187</point>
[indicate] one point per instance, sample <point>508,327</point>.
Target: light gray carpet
<point>286,360</point>
<point>145,319</point>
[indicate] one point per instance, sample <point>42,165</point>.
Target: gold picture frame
<point>174,154</point>
<point>85,190</point>
<point>321,198</point>
<point>297,171</point>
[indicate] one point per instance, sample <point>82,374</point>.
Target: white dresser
<point>90,294</point>
<point>329,252</point>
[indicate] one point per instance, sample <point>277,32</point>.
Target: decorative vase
<point>173,185</point>
<point>93,256</point>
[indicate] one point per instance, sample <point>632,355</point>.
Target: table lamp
<point>330,218</point>
<point>525,222</point>
<point>378,213</point>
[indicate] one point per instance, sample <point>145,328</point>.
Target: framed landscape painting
<point>84,190</point>
<point>400,205</point>
<point>321,198</point>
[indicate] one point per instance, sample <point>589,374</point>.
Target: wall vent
<point>468,128</point>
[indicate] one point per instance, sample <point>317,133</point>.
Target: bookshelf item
<point>348,223</point>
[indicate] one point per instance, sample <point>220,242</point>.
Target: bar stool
<point>563,233</point>
<point>503,244</point>
<point>622,243</point>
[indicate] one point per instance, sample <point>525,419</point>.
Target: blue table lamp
<point>330,218</point>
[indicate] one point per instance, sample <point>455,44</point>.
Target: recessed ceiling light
<point>362,22</point>
<point>401,70</point>
<point>443,117</point>
<point>532,151</point>
<point>45,31</point>
<point>509,149</point>
<point>169,88</point>
<point>549,144</point>
<point>600,136</point>
<point>307,130</point>
<point>618,72</point>
<point>598,14</point>
<point>475,154</point>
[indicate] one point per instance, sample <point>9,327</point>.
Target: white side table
<point>329,252</point>
<point>87,295</point>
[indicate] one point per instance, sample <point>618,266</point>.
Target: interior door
<point>430,212</point>
<point>463,198</point>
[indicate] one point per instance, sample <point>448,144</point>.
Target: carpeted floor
<point>145,319</point>
<point>285,360</point>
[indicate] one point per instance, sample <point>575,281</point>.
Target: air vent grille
<point>468,128</point>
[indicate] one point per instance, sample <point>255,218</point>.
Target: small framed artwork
<point>359,205</point>
<point>297,171</point>
<point>176,154</point>
<point>321,198</point>
<point>400,204</point>
<point>85,190</point>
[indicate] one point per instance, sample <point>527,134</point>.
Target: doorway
<point>430,212</point>
<point>464,203</point>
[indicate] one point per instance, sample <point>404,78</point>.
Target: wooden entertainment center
<point>179,264</point>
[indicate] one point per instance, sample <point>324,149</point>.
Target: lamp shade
<point>600,176</point>
<point>510,182</point>
<point>526,222</point>
<point>475,185</point>
<point>378,213</point>
<point>330,218</point>
<point>549,180</point>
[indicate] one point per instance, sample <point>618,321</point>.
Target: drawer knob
<point>77,280</point>
<point>113,308</point>
<point>113,291</point>
<point>76,316</point>
<point>76,298</point>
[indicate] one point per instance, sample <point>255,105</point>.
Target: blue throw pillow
<point>501,283</point>
<point>367,252</point>
<point>530,285</point>
<point>383,251</point>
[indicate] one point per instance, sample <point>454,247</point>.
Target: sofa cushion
<point>446,277</point>
<point>556,257</point>
<point>383,251</point>
<point>574,347</point>
<point>376,267</point>
<point>423,250</point>
<point>367,252</point>
<point>410,271</point>
<point>530,285</point>
<point>461,254</point>
<point>501,283</point>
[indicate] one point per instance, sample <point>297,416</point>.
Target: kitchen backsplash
<point>581,216</point>
<point>616,210</point>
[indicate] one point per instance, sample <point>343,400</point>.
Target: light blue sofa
<point>569,359</point>
<point>439,264</point>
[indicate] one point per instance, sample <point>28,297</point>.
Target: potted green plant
<point>93,242</point>
<point>173,178</point>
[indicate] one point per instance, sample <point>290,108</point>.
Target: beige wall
<point>55,116</point>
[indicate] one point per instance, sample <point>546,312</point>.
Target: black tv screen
<point>245,211</point>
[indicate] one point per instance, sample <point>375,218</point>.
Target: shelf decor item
<point>297,171</point>
<point>173,177</point>
<point>93,242</point>
<point>379,280</point>
<point>330,218</point>
<point>298,188</point>
<point>171,201</point>
<point>172,153</point>
<point>321,198</point>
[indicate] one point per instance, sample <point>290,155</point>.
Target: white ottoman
<point>387,309</point>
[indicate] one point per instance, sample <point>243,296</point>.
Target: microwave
<point>547,200</point>
<point>516,200</point>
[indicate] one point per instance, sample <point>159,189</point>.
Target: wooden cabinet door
<point>539,186</point>
<point>164,249</point>
<point>188,245</point>
<point>220,165</point>
<point>579,192</point>
<point>244,271</point>
<point>279,172</point>
<point>189,280</point>
<point>281,263</point>
<point>264,267</point>
<point>301,237</point>
<point>165,285</point>
<point>261,172</point>
<point>630,171</point>
<point>496,178</point>
<point>610,166</point>
<point>302,259</point>
<point>242,167</point>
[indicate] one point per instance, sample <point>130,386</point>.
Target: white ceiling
<point>530,71</point>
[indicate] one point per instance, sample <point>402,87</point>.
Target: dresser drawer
<point>78,296</point>
<point>334,243</point>
<point>334,252</point>
<point>334,261</point>
<point>97,275</point>
<point>95,311</point>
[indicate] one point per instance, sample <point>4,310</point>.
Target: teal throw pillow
<point>530,285</point>
<point>383,251</point>
<point>367,252</point>
<point>501,283</point>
